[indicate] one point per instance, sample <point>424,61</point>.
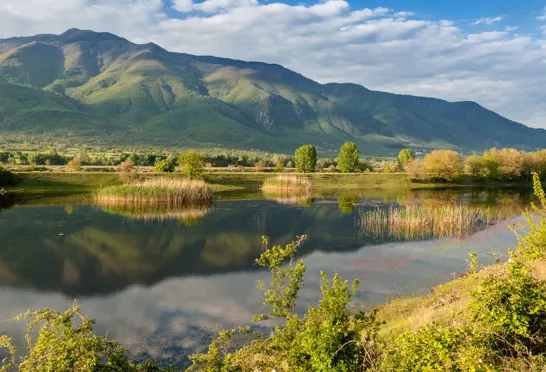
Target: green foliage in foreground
<point>306,158</point>
<point>62,346</point>
<point>348,159</point>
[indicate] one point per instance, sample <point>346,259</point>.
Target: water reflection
<point>188,215</point>
<point>163,288</point>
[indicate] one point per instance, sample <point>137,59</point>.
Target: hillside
<point>86,85</point>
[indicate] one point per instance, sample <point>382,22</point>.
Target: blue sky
<point>491,52</point>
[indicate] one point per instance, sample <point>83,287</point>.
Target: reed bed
<point>158,212</point>
<point>417,222</point>
<point>160,190</point>
<point>286,183</point>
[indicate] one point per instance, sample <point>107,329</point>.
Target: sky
<point>491,52</point>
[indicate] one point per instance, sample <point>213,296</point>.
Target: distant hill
<point>84,84</point>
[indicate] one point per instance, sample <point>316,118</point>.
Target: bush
<point>279,167</point>
<point>192,163</point>
<point>348,159</point>
<point>126,166</point>
<point>326,338</point>
<point>306,159</point>
<point>164,166</point>
<point>62,347</point>
<point>74,164</point>
<point>443,165</point>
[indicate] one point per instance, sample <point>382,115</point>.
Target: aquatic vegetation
<point>286,183</point>
<point>418,221</point>
<point>157,190</point>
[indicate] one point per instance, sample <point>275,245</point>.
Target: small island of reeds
<point>160,190</point>
<point>418,221</point>
<point>286,183</point>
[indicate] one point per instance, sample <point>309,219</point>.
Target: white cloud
<point>327,41</point>
<point>511,28</point>
<point>488,21</point>
<point>404,14</point>
<point>542,17</point>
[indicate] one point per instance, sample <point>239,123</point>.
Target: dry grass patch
<point>286,183</point>
<point>159,190</point>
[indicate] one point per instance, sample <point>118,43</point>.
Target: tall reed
<point>286,183</point>
<point>159,190</point>
<point>416,221</point>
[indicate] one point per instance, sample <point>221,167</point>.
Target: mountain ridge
<point>88,84</point>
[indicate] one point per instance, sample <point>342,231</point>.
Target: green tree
<point>348,157</point>
<point>164,166</point>
<point>306,159</point>
<point>192,163</point>
<point>404,156</point>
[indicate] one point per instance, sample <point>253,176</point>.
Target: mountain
<point>100,88</point>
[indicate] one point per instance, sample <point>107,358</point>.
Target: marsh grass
<point>158,190</point>
<point>287,183</point>
<point>417,221</point>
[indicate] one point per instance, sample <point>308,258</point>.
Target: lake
<point>163,285</point>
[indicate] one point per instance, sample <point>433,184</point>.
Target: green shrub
<point>62,347</point>
<point>326,338</point>
<point>164,166</point>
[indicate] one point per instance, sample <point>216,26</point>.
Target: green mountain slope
<point>94,84</point>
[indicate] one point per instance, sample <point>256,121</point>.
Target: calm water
<point>163,287</point>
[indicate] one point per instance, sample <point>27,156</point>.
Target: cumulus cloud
<point>333,40</point>
<point>488,21</point>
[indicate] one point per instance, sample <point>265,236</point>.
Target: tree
<point>474,165</point>
<point>306,159</point>
<point>404,156</point>
<point>415,170</point>
<point>348,157</point>
<point>443,164</point>
<point>279,167</point>
<point>192,163</point>
<point>164,166</point>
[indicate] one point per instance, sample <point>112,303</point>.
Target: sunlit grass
<point>286,183</point>
<point>417,221</point>
<point>159,190</point>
